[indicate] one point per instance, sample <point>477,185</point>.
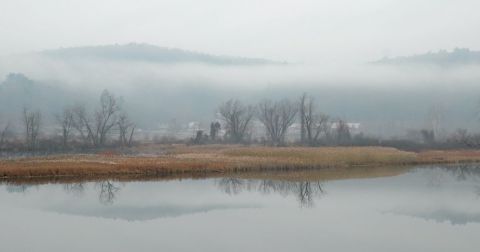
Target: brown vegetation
<point>212,159</point>
<point>325,174</point>
<point>449,156</point>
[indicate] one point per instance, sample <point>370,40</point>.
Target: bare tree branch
<point>126,129</point>
<point>4,134</point>
<point>277,117</point>
<point>105,118</point>
<point>314,123</point>
<point>32,122</point>
<point>66,121</point>
<point>237,118</point>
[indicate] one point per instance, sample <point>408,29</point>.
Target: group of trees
<point>4,134</point>
<point>277,117</point>
<point>95,128</point>
<point>237,118</point>
<point>77,125</point>
<point>80,128</point>
<point>32,121</point>
<point>312,122</point>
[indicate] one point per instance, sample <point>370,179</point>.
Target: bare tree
<point>126,129</point>
<point>67,121</point>
<point>313,122</point>
<point>435,116</point>
<point>214,129</point>
<point>277,117</point>
<point>303,99</point>
<point>82,123</point>
<point>4,134</point>
<point>32,122</point>
<point>342,131</point>
<point>461,136</point>
<point>428,136</point>
<point>105,118</point>
<point>237,118</point>
<point>317,125</point>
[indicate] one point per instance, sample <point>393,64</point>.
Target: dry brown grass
<point>450,156</point>
<point>326,157</point>
<point>180,159</point>
<point>326,174</point>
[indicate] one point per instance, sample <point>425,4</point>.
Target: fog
<point>386,99</point>
<point>89,73</point>
<point>296,31</point>
<point>72,50</point>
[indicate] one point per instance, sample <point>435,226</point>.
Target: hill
<point>149,53</point>
<point>457,57</point>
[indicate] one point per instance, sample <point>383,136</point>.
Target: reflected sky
<point>424,209</point>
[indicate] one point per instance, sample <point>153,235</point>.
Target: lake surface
<point>420,209</point>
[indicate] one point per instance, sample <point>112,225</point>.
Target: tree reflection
<point>304,191</point>
<point>465,171</point>
<point>231,185</point>
<point>107,192</point>
<point>438,176</point>
<point>13,188</point>
<point>76,189</point>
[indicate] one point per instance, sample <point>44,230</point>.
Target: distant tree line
<point>277,118</point>
<point>107,125</point>
<point>79,128</point>
<point>316,128</point>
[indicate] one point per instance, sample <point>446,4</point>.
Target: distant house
<point>351,126</point>
<point>354,128</point>
<point>193,126</point>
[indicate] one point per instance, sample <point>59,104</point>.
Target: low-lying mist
<point>386,100</point>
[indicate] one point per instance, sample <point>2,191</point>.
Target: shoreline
<point>220,160</point>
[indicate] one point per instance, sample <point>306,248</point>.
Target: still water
<point>420,209</point>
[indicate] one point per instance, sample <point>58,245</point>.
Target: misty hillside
<point>386,102</point>
<point>457,57</point>
<point>148,53</point>
<point>18,91</point>
<point>379,110</point>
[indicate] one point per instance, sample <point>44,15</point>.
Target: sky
<point>300,31</point>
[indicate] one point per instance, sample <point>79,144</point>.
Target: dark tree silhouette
<point>237,118</point>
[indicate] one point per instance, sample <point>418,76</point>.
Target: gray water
<point>423,209</point>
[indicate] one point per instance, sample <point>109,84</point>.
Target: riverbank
<point>220,159</point>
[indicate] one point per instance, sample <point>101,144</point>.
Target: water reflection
<point>14,188</point>
<point>464,178</point>
<point>464,171</point>
<point>439,176</point>
<point>454,217</point>
<point>425,205</point>
<point>445,185</point>
<point>231,186</point>
<point>461,172</point>
<point>304,191</point>
<point>144,213</point>
<point>108,189</point>
<point>76,189</point>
